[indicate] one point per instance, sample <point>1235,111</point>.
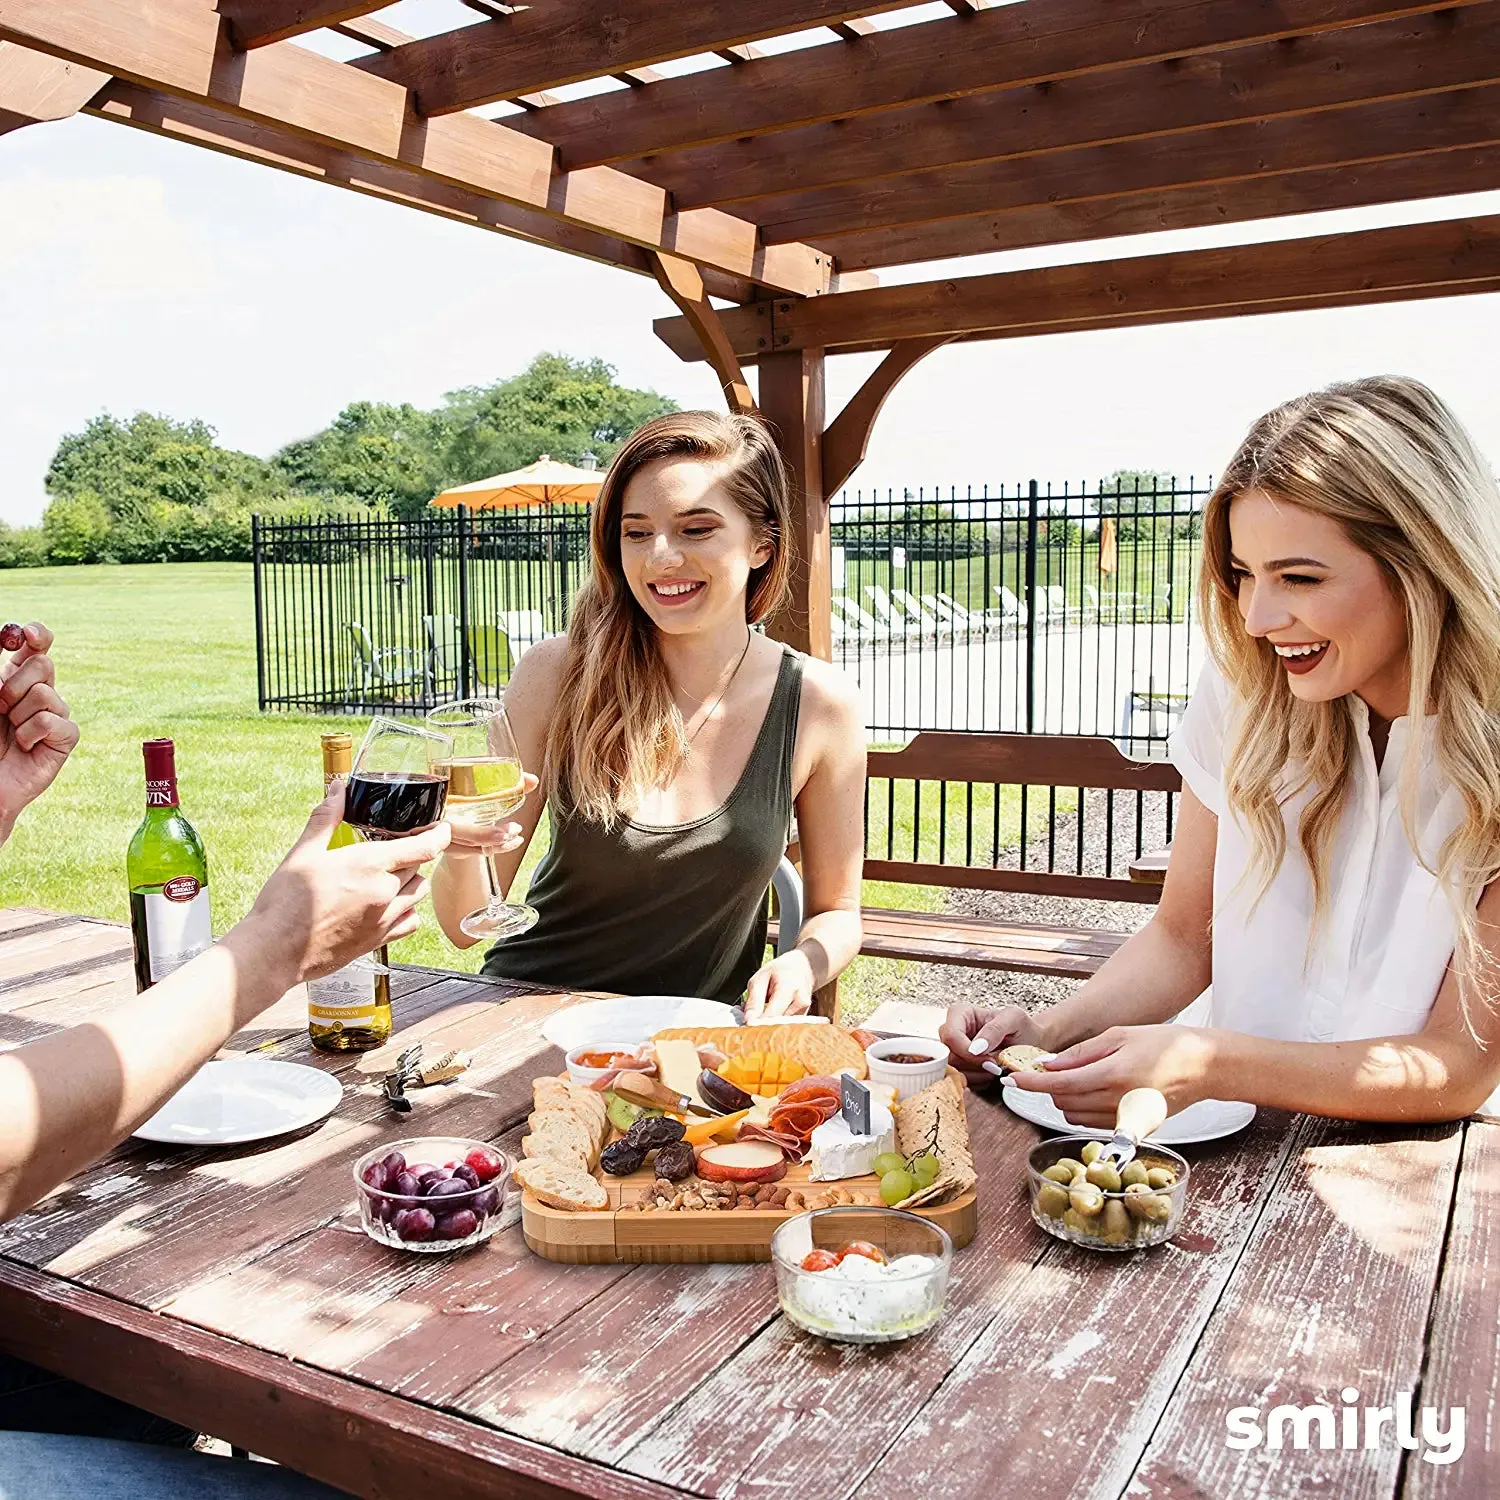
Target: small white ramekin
<point>586,1076</point>
<point>907,1078</point>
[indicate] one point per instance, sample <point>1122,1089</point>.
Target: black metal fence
<point>1060,611</point>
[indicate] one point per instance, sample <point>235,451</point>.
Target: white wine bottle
<point>350,1010</point>
<point>167,871</point>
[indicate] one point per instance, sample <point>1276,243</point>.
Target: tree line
<point>153,489</point>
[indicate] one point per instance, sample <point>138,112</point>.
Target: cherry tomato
<point>819,1260</point>
<point>865,1248</point>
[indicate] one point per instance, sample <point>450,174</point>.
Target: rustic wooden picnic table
<point>232,1290</point>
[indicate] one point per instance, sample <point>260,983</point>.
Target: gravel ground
<point>946,984</point>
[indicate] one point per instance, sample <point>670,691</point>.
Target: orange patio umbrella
<point>1109,546</point>
<point>546,482</point>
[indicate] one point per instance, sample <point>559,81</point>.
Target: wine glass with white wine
<point>485,786</point>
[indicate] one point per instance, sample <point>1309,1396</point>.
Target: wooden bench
<point>971,784</point>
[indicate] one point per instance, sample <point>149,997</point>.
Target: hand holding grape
<point>36,734</point>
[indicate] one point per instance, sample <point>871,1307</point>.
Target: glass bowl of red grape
<point>433,1194</point>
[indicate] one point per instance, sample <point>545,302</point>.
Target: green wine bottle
<point>167,871</point>
<point>350,1010</point>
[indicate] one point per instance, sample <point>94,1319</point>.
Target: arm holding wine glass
<point>68,1098</point>
<point>36,734</point>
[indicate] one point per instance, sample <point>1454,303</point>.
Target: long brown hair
<point>616,730</point>
<point>1388,460</point>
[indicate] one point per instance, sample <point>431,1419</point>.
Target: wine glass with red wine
<point>398,785</point>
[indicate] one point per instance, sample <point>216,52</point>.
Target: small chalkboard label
<point>855,1105</point>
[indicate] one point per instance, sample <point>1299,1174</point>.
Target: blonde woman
<point>1333,877</point>
<point>673,742</point>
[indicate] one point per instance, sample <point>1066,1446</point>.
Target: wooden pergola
<point>781,181</point>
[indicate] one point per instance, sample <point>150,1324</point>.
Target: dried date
<point>676,1161</point>
<point>654,1131</point>
<point>620,1158</point>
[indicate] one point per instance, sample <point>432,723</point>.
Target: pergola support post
<point>791,400</point>
<point>682,281</point>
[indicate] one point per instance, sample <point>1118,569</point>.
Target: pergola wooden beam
<point>1384,60</point>
<point>848,435</point>
<point>258,23</point>
<point>683,283</point>
<point>34,88</point>
<point>1042,41</point>
<point>173,46</point>
<point>1228,154</point>
<point>568,41</point>
<point>1395,180</point>
<point>1448,257</point>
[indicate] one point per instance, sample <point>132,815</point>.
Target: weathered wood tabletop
<point>232,1290</point>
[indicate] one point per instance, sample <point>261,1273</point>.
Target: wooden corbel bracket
<point>682,281</point>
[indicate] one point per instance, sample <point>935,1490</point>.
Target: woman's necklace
<point>717,701</point>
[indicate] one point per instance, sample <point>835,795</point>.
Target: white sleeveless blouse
<point>1380,953</point>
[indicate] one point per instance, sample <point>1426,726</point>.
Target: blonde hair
<point>616,730</point>
<point>1392,464</point>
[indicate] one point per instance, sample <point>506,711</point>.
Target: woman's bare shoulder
<point>537,678</point>
<point>831,697</point>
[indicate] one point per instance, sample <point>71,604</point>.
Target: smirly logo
<point>1351,1427</point>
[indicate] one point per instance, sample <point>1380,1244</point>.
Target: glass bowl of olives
<point>433,1194</point>
<point>1085,1201</point>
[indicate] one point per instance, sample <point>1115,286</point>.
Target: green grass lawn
<point>169,650</point>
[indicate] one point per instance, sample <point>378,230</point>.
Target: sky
<point>143,274</point>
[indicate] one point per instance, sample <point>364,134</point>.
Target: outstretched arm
<point>67,1099</point>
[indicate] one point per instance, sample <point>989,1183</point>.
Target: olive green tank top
<point>642,910</point>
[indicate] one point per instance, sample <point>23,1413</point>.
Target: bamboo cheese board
<point>694,1236</point>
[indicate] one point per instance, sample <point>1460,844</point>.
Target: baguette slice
<point>561,1186</point>
<point>565,1128</point>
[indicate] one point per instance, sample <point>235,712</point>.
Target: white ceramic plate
<point>1207,1120</point>
<point>633,1018</point>
<point>242,1099</point>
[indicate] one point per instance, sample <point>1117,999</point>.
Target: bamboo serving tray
<point>606,1236</point>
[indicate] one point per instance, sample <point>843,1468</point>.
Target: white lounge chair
<point>1011,611</point>
<point>959,620</point>
<point>892,618</point>
<point>859,624</point>
<point>931,624</point>
<point>523,629</point>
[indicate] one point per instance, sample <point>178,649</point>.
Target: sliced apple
<point>742,1161</point>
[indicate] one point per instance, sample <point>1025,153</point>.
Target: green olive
<point>1087,1200</point>
<point>1115,1224</point>
<point>1052,1200</point>
<point>1059,1172</point>
<point>1078,1224</point>
<point>1091,1149</point>
<point>1161,1177</point>
<point>1103,1175</point>
<point>1133,1172</point>
<point>1143,1204</point>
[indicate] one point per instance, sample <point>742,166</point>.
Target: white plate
<point>242,1099</point>
<point>1207,1120</point>
<point>633,1018</point>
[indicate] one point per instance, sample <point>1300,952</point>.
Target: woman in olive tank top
<point>673,742</point>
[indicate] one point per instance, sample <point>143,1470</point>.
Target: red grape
<point>457,1225</point>
<point>465,1173</point>
<point>12,637</point>
<point>486,1200</point>
<point>429,1178</point>
<point>393,1164</point>
<point>451,1187</point>
<point>414,1224</point>
<point>422,1168</point>
<point>486,1165</point>
<point>374,1176</point>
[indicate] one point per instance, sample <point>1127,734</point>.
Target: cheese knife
<point>637,1088</point>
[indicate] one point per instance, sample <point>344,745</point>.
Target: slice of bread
<point>561,1186</point>
<point>553,1148</point>
<point>568,1130</point>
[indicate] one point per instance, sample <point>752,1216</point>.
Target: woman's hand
<point>972,1035</point>
<point>783,987</point>
<point>1087,1081</point>
<point>499,838</point>
<point>322,908</point>
<point>36,734</point>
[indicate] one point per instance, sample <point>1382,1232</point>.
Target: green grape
<point>926,1169</point>
<point>897,1186</point>
<point>889,1161</point>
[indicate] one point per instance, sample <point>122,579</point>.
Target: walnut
<point>692,1200</point>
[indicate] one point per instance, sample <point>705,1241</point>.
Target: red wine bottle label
<point>178,925</point>
<point>347,996</point>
